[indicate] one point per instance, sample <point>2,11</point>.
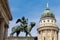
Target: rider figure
<point>24,22</point>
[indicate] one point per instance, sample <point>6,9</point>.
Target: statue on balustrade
<point>23,27</point>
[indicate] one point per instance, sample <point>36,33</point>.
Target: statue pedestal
<point>21,38</point>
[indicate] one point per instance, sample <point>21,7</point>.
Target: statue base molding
<point>21,38</point>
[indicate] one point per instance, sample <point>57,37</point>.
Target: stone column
<point>5,31</point>
<point>1,29</point>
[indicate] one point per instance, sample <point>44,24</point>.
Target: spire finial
<point>47,5</point>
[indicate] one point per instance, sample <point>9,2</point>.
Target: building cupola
<point>47,13</point>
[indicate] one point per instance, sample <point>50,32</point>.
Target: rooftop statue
<point>23,27</point>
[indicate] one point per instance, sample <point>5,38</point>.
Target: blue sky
<point>32,9</point>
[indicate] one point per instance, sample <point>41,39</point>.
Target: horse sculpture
<point>23,27</point>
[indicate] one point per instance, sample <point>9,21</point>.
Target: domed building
<point>48,30</point>
<point>48,13</point>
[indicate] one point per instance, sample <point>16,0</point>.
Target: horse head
<point>32,24</point>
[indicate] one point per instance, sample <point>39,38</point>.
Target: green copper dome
<point>48,13</point>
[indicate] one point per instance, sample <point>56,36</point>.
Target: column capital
<point>1,19</point>
<point>6,25</point>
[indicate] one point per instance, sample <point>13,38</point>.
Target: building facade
<point>48,30</point>
<point>5,17</point>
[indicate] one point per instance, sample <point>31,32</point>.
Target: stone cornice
<point>5,6</point>
<point>47,18</point>
<point>48,27</point>
<point>3,15</point>
<point>21,38</point>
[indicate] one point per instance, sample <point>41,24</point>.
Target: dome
<point>48,13</point>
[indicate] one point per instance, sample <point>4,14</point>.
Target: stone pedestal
<point>21,38</point>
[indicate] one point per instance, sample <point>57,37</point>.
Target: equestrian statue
<point>23,27</point>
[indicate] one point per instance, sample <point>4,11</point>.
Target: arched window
<point>52,21</point>
<point>44,38</point>
<point>39,32</point>
<point>48,20</point>
<point>52,38</point>
<point>44,20</point>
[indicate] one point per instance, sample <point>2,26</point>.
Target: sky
<point>32,9</point>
